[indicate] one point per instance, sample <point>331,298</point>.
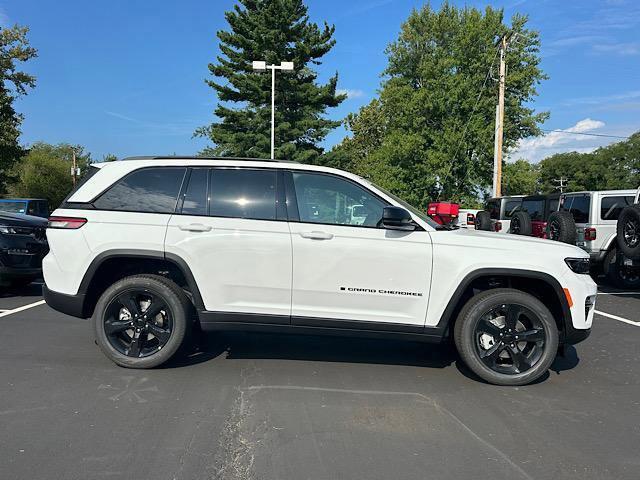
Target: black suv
<point>23,244</point>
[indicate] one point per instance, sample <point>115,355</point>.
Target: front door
<point>345,267</point>
<point>236,242</point>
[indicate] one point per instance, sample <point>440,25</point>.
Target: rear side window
<point>511,207</point>
<point>243,193</point>
<point>578,206</point>
<point>493,207</point>
<point>195,196</point>
<point>149,190</point>
<point>610,207</point>
<point>535,209</point>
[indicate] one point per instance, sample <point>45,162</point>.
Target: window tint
<point>195,195</point>
<point>243,193</point>
<point>610,207</point>
<point>535,209</point>
<point>13,207</point>
<point>493,207</point>
<point>578,206</point>
<point>511,207</point>
<point>332,200</point>
<point>152,190</point>
<point>553,205</point>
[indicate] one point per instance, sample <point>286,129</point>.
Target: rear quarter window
<point>578,206</point>
<point>610,207</point>
<point>511,207</point>
<point>493,207</point>
<point>148,190</point>
<point>535,209</point>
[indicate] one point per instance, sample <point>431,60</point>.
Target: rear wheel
<point>506,337</point>
<point>628,231</point>
<point>561,227</point>
<point>483,220</point>
<point>619,274</point>
<point>520,224</point>
<point>141,321</point>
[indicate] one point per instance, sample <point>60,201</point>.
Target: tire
<point>628,231</point>
<point>483,221</point>
<point>521,224</point>
<point>172,324</point>
<point>503,362</point>
<point>561,227</point>
<point>627,278</point>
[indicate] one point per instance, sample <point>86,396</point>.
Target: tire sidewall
<point>464,335</point>
<point>178,315</point>
<point>627,214</point>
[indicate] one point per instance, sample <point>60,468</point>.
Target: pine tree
<point>275,31</point>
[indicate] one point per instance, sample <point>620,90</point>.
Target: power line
<point>584,133</point>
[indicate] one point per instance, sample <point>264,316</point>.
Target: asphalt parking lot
<point>252,406</point>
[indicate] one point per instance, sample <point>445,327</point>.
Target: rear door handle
<point>317,235</point>
<point>195,227</point>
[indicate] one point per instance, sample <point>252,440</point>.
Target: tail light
<point>589,234</point>
<point>497,226</point>
<point>471,219</point>
<point>67,223</point>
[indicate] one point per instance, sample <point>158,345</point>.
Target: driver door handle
<point>195,227</point>
<point>315,235</point>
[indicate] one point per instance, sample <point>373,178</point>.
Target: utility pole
<point>497,156</point>
<point>562,183</point>
<point>74,167</point>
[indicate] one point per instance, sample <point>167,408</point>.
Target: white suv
<point>153,247</point>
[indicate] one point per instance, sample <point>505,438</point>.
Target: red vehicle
<point>443,212</point>
<point>533,214</point>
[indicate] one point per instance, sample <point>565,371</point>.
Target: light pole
<point>262,66</point>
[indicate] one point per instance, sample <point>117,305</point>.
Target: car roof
<point>191,157</point>
<point>604,192</point>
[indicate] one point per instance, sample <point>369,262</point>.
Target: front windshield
<point>421,215</point>
<point>13,207</point>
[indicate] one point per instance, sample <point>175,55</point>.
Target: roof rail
<point>188,157</point>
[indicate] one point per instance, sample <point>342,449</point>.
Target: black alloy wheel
<point>515,226</point>
<point>138,323</point>
<point>631,232</point>
<point>510,339</point>
<point>554,230</point>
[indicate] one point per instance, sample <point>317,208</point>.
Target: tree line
<point>427,134</point>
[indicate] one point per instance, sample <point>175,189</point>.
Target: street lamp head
<point>286,66</point>
<point>259,65</point>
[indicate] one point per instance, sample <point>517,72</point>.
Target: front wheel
<point>506,337</point>
<point>141,321</point>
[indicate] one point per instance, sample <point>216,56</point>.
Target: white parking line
<point>20,309</point>
<point>615,317</point>
<point>618,293</point>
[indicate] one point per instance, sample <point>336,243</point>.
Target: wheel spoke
<point>520,361</point>
<point>111,327</point>
<point>154,309</point>
<point>512,316</point>
<point>162,334</point>
<point>533,335</point>
<point>485,326</point>
<point>130,302</point>
<point>490,356</point>
<point>137,343</point>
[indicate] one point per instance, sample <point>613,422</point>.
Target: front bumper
<point>583,291</point>
<point>68,304</point>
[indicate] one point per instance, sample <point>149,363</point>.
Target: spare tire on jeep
<point>483,221</point>
<point>561,227</point>
<point>628,231</point>
<point>520,223</point>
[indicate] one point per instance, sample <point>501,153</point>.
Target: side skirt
<point>282,324</point>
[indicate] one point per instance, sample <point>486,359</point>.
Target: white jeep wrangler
<point>152,247</point>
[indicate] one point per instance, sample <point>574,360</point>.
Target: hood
<point>519,244</point>
<point>19,220</point>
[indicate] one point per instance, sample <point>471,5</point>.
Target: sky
<point>126,77</point>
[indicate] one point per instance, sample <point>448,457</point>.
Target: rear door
<point>348,272</point>
<point>236,242</point>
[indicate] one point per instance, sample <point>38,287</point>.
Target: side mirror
<point>397,218</point>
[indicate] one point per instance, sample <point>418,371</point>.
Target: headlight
<point>578,265</point>
<point>7,230</point>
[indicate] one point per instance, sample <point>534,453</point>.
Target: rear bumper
<point>68,304</point>
<point>15,273</point>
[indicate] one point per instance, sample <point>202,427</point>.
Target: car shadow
<point>31,290</point>
<point>266,346</point>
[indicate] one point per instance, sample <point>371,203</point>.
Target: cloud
<point>176,128</point>
<point>366,6</point>
<point>5,21</point>
<point>603,99</point>
<point>350,92</point>
<point>622,49</point>
<point>537,148</point>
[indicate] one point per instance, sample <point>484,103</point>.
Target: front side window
<point>331,200</point>
<point>149,190</point>
<point>610,207</point>
<point>243,193</point>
